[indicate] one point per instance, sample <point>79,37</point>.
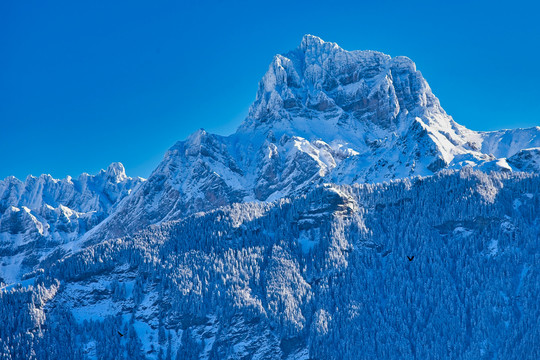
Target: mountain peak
<point>116,172</point>
<point>322,114</point>
<point>314,42</point>
<point>308,38</point>
<point>321,80</point>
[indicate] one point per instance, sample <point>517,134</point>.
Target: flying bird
<point>410,258</point>
<point>119,333</point>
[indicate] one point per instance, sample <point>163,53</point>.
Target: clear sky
<point>86,83</point>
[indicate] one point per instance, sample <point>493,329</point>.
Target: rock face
<point>43,215</point>
<point>527,160</point>
<point>287,239</point>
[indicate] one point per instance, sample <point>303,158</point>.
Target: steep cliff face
<point>43,215</point>
<point>379,109</point>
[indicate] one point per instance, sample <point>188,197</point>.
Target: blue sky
<point>83,84</point>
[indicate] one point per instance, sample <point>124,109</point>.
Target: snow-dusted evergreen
<point>281,241</point>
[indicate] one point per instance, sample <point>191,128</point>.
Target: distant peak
<point>200,132</point>
<point>314,42</point>
<point>196,137</point>
<point>309,39</point>
<point>116,172</point>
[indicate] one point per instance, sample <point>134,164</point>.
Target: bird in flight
<point>119,333</point>
<point>410,258</point>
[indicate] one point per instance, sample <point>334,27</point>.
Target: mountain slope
<point>323,275</point>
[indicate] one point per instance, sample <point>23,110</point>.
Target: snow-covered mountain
<point>43,216</point>
<point>289,238</point>
<point>322,114</point>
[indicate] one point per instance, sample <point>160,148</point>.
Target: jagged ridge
<point>42,214</point>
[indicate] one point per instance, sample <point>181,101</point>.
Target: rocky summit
<point>291,238</point>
